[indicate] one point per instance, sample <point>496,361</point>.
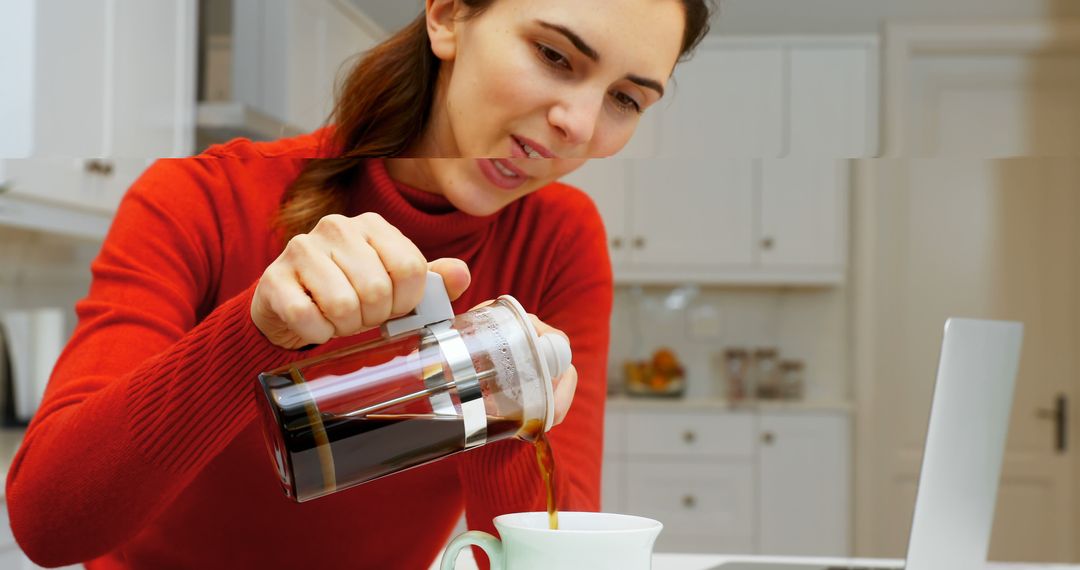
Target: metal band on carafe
<point>466,381</point>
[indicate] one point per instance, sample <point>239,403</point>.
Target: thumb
<point>455,275</point>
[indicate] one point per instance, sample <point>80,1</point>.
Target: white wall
<point>866,16</point>
<point>806,16</point>
<point>41,270</point>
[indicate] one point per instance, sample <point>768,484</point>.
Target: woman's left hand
<point>565,384</point>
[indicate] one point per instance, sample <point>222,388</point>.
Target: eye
<point>552,57</point>
<point>626,102</point>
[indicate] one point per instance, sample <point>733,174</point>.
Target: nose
<point>575,115</point>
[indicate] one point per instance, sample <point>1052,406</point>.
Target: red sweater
<point>145,452</point>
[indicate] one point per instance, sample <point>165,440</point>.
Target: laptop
<point>965,446</point>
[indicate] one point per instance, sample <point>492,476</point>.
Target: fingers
<point>346,276</point>
<point>402,263</point>
<point>455,274</point>
<point>565,387</point>
<point>297,312</point>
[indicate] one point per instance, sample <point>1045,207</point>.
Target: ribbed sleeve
<point>148,390</point>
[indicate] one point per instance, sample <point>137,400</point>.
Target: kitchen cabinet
<point>736,178</point>
<point>768,97</point>
<point>766,481</point>
<point>722,221</point>
<point>804,216</point>
<point>112,87</point>
<point>286,55</point>
<point>727,101</point>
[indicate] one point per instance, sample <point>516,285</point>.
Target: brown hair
<point>382,109</point>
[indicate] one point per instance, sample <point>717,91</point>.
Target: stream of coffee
<point>533,431</point>
<point>546,461</point>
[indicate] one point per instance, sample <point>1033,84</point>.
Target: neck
<point>413,172</point>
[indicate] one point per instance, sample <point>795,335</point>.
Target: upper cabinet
<point>759,97</point>
<point>739,178</point>
<point>723,221</point>
<point>102,87</point>
<point>272,72</point>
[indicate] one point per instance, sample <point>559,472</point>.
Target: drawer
<point>714,499</point>
<point>612,484</point>
<point>726,434</point>
<point>614,433</point>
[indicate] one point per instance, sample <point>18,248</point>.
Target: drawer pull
<point>689,437</point>
<point>768,438</point>
<point>689,501</point>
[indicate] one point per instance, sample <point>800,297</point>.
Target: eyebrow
<point>591,54</point>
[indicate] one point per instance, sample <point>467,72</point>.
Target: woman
<point>145,454</point>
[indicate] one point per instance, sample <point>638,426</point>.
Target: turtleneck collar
<point>429,220</point>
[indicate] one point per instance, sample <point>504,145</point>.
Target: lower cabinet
<point>733,481</point>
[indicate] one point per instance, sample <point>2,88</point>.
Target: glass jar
<point>766,373</point>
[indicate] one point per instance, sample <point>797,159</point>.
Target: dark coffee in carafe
<point>434,385</point>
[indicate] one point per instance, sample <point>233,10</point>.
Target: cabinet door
<point>17,35</point>
<point>691,214</point>
<point>805,484</point>
<point>151,108</point>
<point>833,114</point>
<point>70,63</point>
<point>604,180</point>
<point>726,101</point>
<point>705,507</point>
<point>804,214</point>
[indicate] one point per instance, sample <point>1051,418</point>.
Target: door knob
<point>1059,414</point>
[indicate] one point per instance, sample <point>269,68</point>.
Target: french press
<point>433,385</point>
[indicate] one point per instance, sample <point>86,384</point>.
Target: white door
<point>978,237</point>
<point>983,238</point>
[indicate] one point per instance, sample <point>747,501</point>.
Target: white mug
<point>593,541</point>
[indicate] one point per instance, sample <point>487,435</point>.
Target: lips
<point>501,173</point>
<point>527,148</point>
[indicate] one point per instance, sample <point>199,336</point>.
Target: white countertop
<point>620,402</point>
<point>671,561</point>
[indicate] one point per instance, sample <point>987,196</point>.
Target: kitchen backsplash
<point>810,325</point>
<point>42,271</point>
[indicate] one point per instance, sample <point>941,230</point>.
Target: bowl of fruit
<point>662,375</point>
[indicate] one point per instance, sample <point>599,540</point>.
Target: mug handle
<point>491,546</point>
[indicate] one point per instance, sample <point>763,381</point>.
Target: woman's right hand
<point>346,276</point>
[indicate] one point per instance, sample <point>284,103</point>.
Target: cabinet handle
<point>639,242</point>
<point>689,501</point>
<point>768,438</point>
<point>689,436</point>
<point>616,243</point>
<point>767,243</point>
<point>102,167</point>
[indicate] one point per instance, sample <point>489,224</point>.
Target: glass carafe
<point>435,384</point>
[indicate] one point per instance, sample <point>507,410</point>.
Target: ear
<point>441,20</point>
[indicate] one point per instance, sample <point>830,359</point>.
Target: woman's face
<point>555,80</point>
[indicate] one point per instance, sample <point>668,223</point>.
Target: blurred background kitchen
<point>824,185</point>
